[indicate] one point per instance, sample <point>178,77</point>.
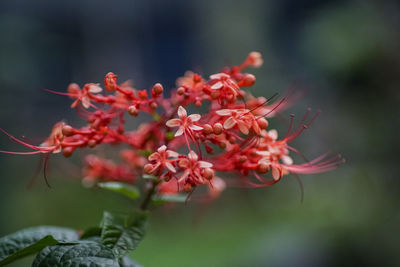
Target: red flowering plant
<point>167,159</point>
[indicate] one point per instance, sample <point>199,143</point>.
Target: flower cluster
<point>183,150</point>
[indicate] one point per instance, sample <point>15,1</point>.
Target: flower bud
<point>142,94</point>
<point>148,168</point>
<point>180,91</point>
<point>222,145</point>
<point>242,159</point>
<point>262,168</point>
<point>187,188</point>
<point>153,105</point>
<point>196,78</point>
<point>158,89</point>
<point>67,130</point>
<point>67,151</point>
<point>255,59</point>
<point>248,80</point>
<point>92,143</point>
<point>263,123</point>
<point>208,173</point>
<point>218,128</point>
<point>207,129</point>
<point>73,89</point>
<point>209,149</point>
<point>132,110</point>
<point>110,82</point>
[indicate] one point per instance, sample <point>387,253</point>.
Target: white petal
<point>162,149</point>
<point>172,154</point>
<point>154,156</point>
<point>224,112</point>
<point>243,128</point>
<point>265,161</point>
<point>287,160</point>
<point>205,164</point>
<point>218,185</point>
<point>263,153</point>
<point>180,131</point>
<point>192,155</point>
<point>170,166</point>
<point>194,117</point>
<point>219,76</point>
<point>273,134</point>
<point>173,123</point>
<point>256,128</point>
<point>182,112</point>
<point>276,173</point>
<point>195,127</point>
<point>85,102</point>
<point>217,85</point>
<point>229,123</point>
<point>95,88</point>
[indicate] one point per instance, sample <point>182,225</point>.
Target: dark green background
<point>343,54</point>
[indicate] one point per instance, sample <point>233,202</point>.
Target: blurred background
<point>343,54</point>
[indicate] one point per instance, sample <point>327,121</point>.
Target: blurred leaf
<point>123,233</point>
<point>86,253</point>
<point>128,262</point>
<point>122,188</point>
<point>91,232</point>
<point>32,240</point>
<point>160,199</point>
<point>149,177</point>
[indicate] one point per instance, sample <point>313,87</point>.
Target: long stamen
<point>36,173</point>
<point>273,109</point>
<point>290,126</point>
<point>26,144</point>
<point>21,153</point>
<point>45,168</point>
<point>59,93</point>
<point>298,180</point>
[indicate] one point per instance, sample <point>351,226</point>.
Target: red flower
<point>161,160</point>
<point>185,123</point>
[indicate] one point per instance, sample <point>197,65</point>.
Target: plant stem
<point>147,199</point>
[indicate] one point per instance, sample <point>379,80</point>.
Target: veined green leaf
<point>85,253</point>
<point>123,233</point>
<point>32,240</point>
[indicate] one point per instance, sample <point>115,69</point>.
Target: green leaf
<point>32,240</point>
<point>121,188</point>
<point>123,233</point>
<point>161,199</point>
<point>85,253</point>
<point>149,177</point>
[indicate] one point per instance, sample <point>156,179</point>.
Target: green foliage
<point>161,199</point>
<point>32,240</point>
<point>122,188</point>
<point>106,245</point>
<point>85,253</point>
<point>123,233</point>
